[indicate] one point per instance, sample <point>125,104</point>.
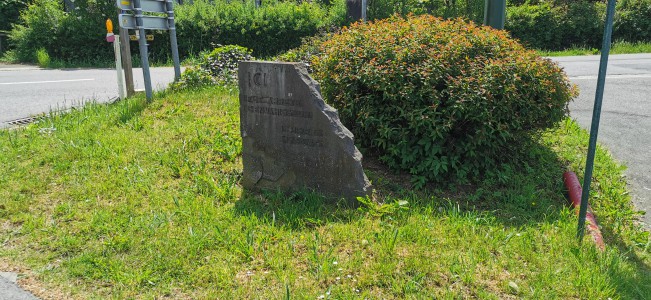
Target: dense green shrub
<point>222,63</point>
<point>76,35</point>
<point>42,58</point>
<point>268,30</point>
<point>550,26</point>
<point>217,67</point>
<point>10,12</point>
<point>535,25</point>
<point>80,34</point>
<point>279,25</point>
<point>633,21</point>
<point>560,24</point>
<point>309,48</point>
<point>582,23</point>
<point>468,9</point>
<point>442,99</point>
<point>38,29</point>
<point>193,77</point>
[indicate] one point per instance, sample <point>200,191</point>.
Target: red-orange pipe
<point>574,190</point>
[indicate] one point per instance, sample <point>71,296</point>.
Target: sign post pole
<point>143,49</point>
<point>495,13</point>
<point>140,22</point>
<point>125,51</point>
<point>596,115</point>
<point>175,49</point>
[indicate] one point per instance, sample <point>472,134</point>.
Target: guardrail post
<point>144,59</point>
<point>175,49</point>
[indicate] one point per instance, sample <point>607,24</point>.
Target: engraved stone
<point>291,139</point>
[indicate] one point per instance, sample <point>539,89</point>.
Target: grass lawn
<point>137,200</point>
<point>9,57</point>
<point>616,48</point>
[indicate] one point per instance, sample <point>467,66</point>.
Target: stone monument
<point>291,139</point>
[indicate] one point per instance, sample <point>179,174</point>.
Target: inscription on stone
<point>291,139</point>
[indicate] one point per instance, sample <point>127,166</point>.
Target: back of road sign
<point>148,22</point>
<point>136,20</point>
<point>146,5</point>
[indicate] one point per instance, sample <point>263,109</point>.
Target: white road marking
<point>49,81</point>
<point>631,76</point>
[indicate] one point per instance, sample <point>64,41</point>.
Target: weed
<point>42,58</point>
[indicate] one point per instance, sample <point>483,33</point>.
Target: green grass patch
<point>142,200</point>
<point>42,58</point>
<point>44,61</point>
<point>616,48</point>
<point>9,57</point>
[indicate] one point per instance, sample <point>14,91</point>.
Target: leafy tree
<point>10,12</point>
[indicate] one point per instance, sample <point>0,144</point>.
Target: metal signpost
<point>140,22</point>
<point>495,13</point>
<point>596,114</point>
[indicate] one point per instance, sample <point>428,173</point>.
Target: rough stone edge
<point>336,126</point>
<point>348,145</point>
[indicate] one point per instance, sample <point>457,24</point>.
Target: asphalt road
<point>26,91</point>
<point>625,127</point>
<point>10,291</point>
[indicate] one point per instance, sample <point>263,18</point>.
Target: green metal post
<point>596,115</point>
<point>495,13</point>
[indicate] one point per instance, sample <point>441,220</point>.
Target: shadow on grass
<point>629,284</point>
<point>298,211</point>
<point>525,191</point>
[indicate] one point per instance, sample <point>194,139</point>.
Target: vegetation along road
<point>26,91</point>
<point>626,114</point>
<point>625,122</point>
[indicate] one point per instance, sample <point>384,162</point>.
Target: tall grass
<point>619,47</point>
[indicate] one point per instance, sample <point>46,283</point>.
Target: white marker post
<point>115,39</point>
<point>118,66</point>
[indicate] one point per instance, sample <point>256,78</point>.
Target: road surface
<point>26,91</point>
<point>10,291</point>
<point>625,127</point>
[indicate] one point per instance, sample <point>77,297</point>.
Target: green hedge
<point>279,25</point>
<point>633,21</point>
<point>72,36</point>
<point>80,35</point>
<point>472,10</point>
<point>268,30</point>
<point>534,25</point>
<point>557,25</point>
<point>10,12</point>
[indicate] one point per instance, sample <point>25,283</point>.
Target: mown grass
<point>138,200</point>
<point>620,47</point>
